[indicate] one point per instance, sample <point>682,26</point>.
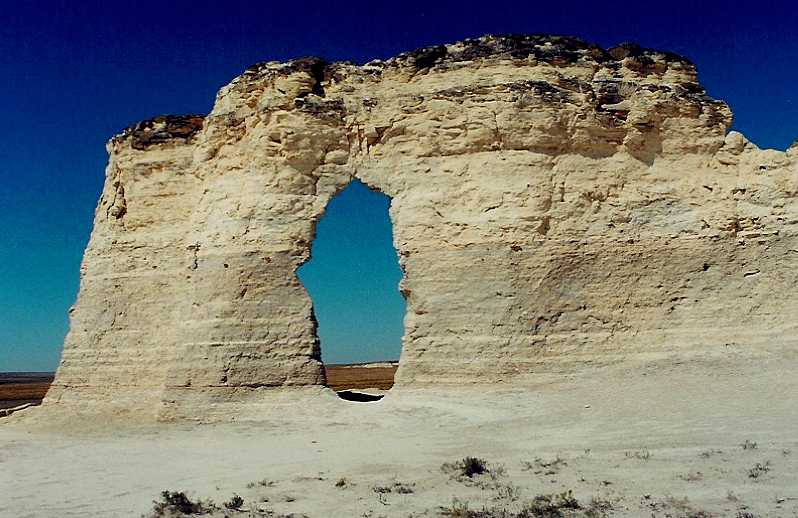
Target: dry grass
<point>342,377</point>
<point>18,389</point>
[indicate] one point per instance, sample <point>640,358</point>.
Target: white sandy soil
<point>663,440</point>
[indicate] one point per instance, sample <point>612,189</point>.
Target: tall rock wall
<point>554,204</point>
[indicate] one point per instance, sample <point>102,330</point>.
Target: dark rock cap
<point>163,129</point>
<point>558,50</point>
<point>554,49</point>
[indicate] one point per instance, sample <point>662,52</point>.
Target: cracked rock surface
<point>555,205</point>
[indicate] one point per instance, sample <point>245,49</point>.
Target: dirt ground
<point>363,376</point>
<point>20,388</point>
<point>656,440</point>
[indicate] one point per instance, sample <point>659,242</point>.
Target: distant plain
<point>19,388</point>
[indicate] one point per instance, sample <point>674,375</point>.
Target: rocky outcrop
<point>555,204</point>
<point>161,130</point>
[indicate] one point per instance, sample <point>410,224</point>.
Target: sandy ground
<point>665,440</point>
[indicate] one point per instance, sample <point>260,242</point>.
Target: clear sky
<point>74,73</point>
<point>353,277</point>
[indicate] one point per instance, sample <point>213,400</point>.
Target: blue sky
<point>74,73</point>
<point>353,277</point>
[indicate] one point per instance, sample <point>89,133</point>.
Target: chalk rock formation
<point>554,204</point>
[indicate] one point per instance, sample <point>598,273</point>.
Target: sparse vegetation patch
<point>709,453</point>
<point>467,467</point>
<point>552,506</point>
<point>235,502</point>
<point>758,470</point>
<point>476,472</point>
<point>643,454</point>
<point>560,505</point>
<point>397,487</point>
<point>693,476</point>
<point>681,506</point>
<point>176,502</point>
<point>539,466</point>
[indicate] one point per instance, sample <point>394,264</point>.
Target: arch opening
<point>352,278</point>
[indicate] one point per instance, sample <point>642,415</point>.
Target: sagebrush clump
<point>176,502</point>
<point>466,467</point>
<point>559,505</point>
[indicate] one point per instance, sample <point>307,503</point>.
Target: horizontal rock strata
<point>555,204</point>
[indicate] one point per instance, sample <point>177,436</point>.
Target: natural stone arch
<point>554,204</point>
<point>354,259</point>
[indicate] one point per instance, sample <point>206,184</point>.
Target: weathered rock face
<point>554,203</point>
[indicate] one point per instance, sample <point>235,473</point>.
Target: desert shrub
<point>680,505</point>
<point>749,445</point>
<point>235,502</point>
<point>342,482</point>
<point>598,508</point>
<point>643,454</point>
<point>561,505</point>
<point>550,506</point>
<point>456,510</point>
<point>176,502</point>
<point>473,466</point>
<point>403,489</point>
<point>475,472</point>
<point>539,466</point>
<point>467,467</point>
<point>507,492</point>
<point>758,470</point>
<point>461,510</point>
<point>397,487</point>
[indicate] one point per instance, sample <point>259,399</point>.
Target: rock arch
<point>554,204</point>
<point>353,278</point>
